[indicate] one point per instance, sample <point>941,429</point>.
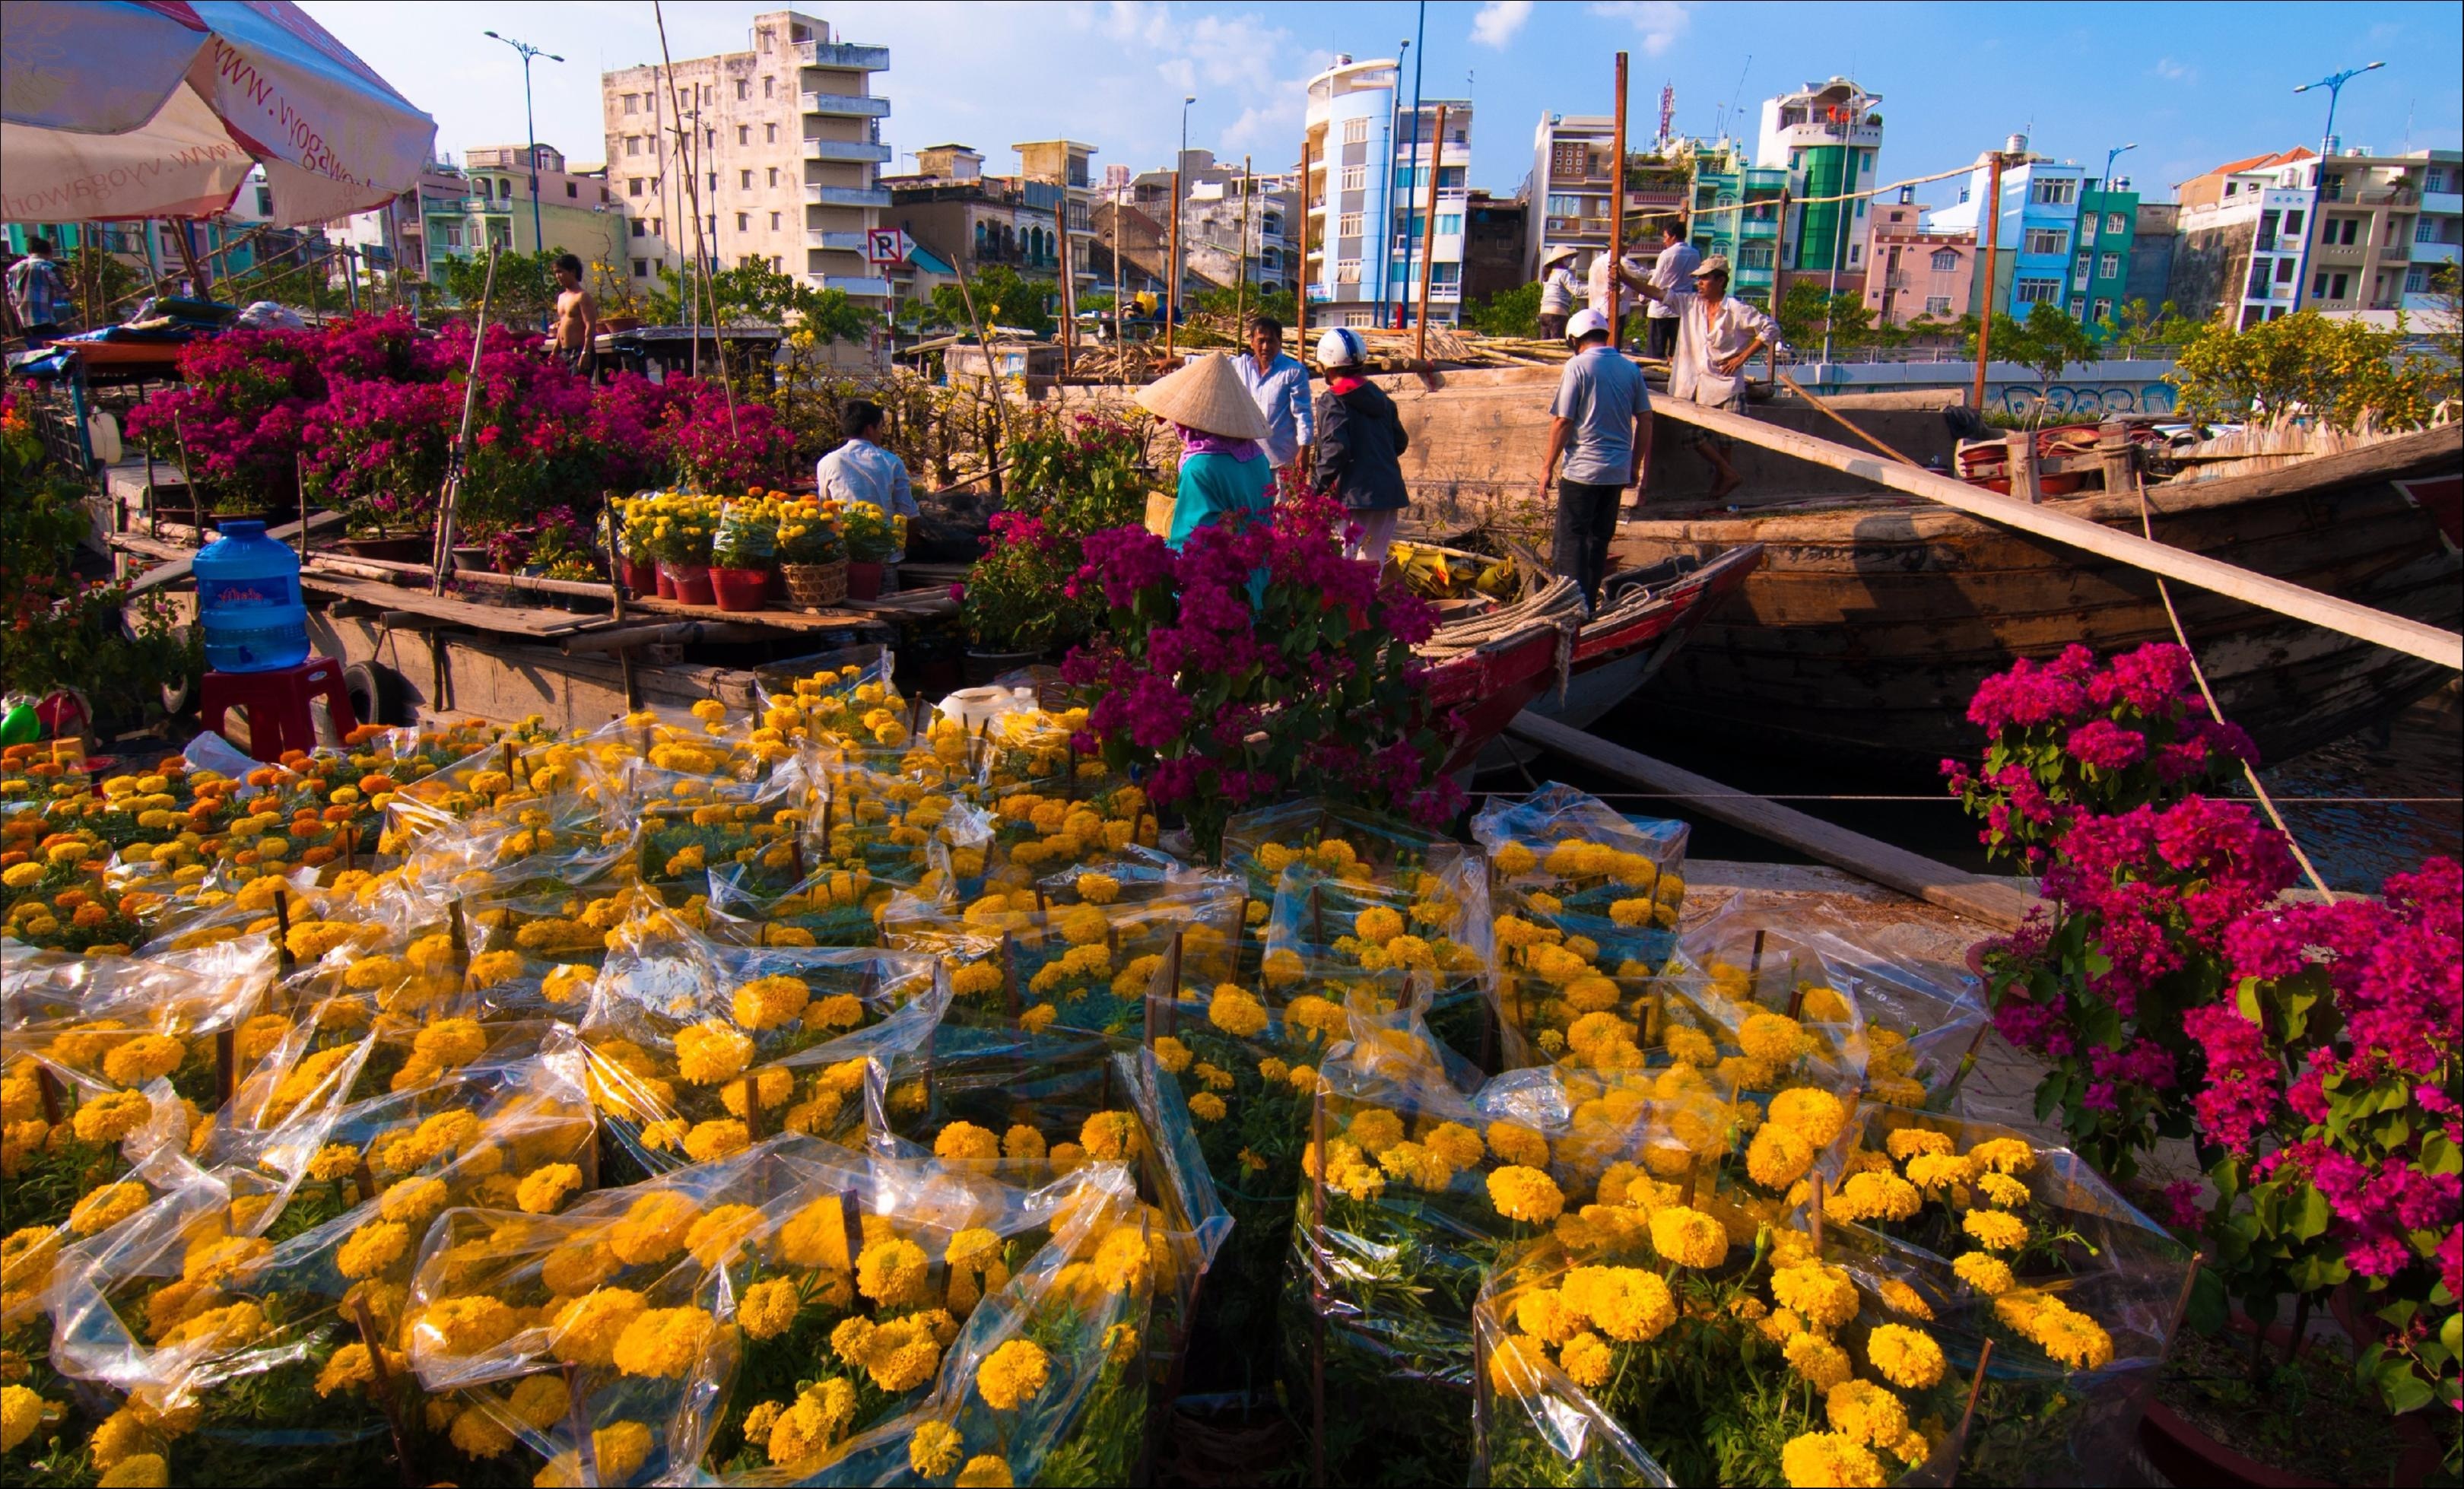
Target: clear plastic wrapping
<point>1566,857</point>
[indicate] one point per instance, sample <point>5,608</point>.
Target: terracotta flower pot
<point>401,548</point>
<point>689,582</point>
<point>863,581</point>
<point>667,586</point>
<point>642,576</point>
<point>2186,1454</point>
<point>741,589</point>
<point>475,558</point>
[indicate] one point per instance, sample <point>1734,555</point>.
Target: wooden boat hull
<point>1866,627</point>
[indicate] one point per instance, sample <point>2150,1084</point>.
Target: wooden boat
<point>1873,616</point>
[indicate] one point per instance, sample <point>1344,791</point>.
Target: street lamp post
<point>530,123</point>
<point>2334,83</point>
<point>1180,191</point>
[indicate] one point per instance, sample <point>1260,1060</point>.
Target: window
<point>1946,261</point>
<point>745,179</point>
<point>572,188</point>
<point>265,201</point>
<point>2293,225</point>
<point>1347,271</point>
<point>1356,131</point>
<point>2433,179</point>
<point>632,144</point>
<point>744,222</point>
<point>743,90</point>
<point>2048,240</point>
<point>2103,310</point>
<point>452,234</point>
<point>767,82</point>
<point>657,229</point>
<point>2053,193</point>
<point>769,134</point>
<point>632,103</point>
<point>2115,225</point>
<point>714,183</point>
<point>710,139</point>
<point>1449,223</point>
<point>2416,279</point>
<point>2036,291</point>
<point>744,134</point>
<point>2339,287</point>
<point>2108,266</point>
<point>1356,178</point>
<point>640,229</point>
<point>1937,305</point>
<point>773,175</point>
<point>1273,226</point>
<point>641,269</point>
<point>2319,285</point>
<point>1349,225</point>
<point>2348,231</point>
<point>632,186</point>
<point>2285,270</point>
<point>2078,308</point>
<point>1754,255</point>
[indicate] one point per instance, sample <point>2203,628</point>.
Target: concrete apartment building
<point>1367,194</point>
<point>2154,234</point>
<point>1828,137</point>
<point>1573,176</point>
<point>1495,231</point>
<point>2108,224</point>
<point>1913,272</point>
<point>2378,220</point>
<point>398,230</point>
<point>2037,239</point>
<point>1737,213</point>
<point>1067,164</point>
<point>959,215</point>
<point>577,212</point>
<point>778,146</point>
<point>1234,225</point>
<point>2242,227</point>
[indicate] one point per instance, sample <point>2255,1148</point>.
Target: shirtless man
<point>576,319</point>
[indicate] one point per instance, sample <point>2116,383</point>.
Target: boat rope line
<point>1945,799</point>
<point>1648,214</point>
<point>2164,592</point>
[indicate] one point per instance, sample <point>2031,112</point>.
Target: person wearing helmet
<point>1558,291</point>
<point>1601,423</point>
<point>1359,436</point>
<point>1223,470</point>
<point>1717,333</point>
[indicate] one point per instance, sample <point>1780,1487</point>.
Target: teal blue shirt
<point>1213,488</point>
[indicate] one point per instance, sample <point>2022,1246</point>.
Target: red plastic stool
<point>278,720</point>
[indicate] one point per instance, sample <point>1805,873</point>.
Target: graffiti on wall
<point>2089,398</point>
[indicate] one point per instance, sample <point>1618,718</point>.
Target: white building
<point>1368,195</point>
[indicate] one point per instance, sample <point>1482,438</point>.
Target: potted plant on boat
<point>874,539</point>
<point>677,530</point>
<point>1016,604</point>
<point>812,555</point>
<point>742,552</point>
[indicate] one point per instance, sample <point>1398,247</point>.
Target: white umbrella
<point>157,108</point>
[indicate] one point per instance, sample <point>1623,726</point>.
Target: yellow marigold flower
<point>2071,1337</point>
<point>139,1059</point>
<point>767,1002</point>
<point>1513,860</point>
<point>545,1188</point>
<point>1995,1230</point>
<point>137,1471</point>
<point>571,1270</point>
<point>1815,1115</point>
<point>1518,1143</point>
<point>1932,1172</point>
<point>1864,1413</point>
<point>1543,1314</point>
<point>586,1330</point>
<point>904,1355</point>
<point>413,1201</point>
<point>934,1449</point>
<point>1820,1362</point>
<point>469,1325</point>
<point>1900,1298</point>
<point>1773,1037</point>
<point>21,1412</point>
<point>488,969</point>
<point>1235,1010</point>
<point>1374,1129</point>
<point>1172,1055</point>
<point>1525,1194</point>
<point>1122,1259</point>
<point>966,1141</point>
<point>892,1272</point>
<point>985,1470</point>
<point>2002,1189</point>
<point>1098,889</point>
<point>111,1116</point>
<point>1873,1196</point>
<point>1458,1146</point>
<point>1689,1046</point>
<point>653,1228</point>
<point>1906,1357</point>
<point>619,1450</point>
<point>451,1043</point>
<point>1825,1295</point>
<point>710,1051</point>
<point>1207,1107</point>
<point>1778,1156</point>
<point>768,1308</point>
<point>1012,1374</point>
<point>1021,1141</point>
<point>541,1402</point>
<point>2003,1155</point>
<point>716,1233</point>
<point>663,1341</point>
<point>1909,1142</point>
<point>1626,1303</point>
<point>1109,1135</point>
<point>1688,1237</point>
<point>1988,1275</point>
<point>1828,1460</point>
<point>1586,1360</point>
<point>371,1249</point>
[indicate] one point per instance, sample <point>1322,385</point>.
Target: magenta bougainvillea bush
<point>1256,663</point>
<point>2309,1050</point>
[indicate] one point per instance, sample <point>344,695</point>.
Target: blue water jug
<point>247,600</point>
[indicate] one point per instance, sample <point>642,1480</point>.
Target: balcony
<point>2425,253</point>
<point>846,151</point>
<point>861,286</point>
<point>827,238</point>
<point>840,54</point>
<point>1765,178</point>
<point>1758,227</point>
<point>2339,252</point>
<point>848,196</point>
<point>844,105</point>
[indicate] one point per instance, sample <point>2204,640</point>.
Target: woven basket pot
<point>815,583</point>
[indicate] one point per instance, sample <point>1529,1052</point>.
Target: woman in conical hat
<point>1224,467</point>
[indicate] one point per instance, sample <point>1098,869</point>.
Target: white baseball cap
<point>1341,347</point>
<point>1586,322</point>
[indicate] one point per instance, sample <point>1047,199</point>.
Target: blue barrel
<point>247,600</point>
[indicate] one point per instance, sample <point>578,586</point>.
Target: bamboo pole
<point>1429,240</point>
<point>441,561</point>
<point>1616,217</point>
<point>1172,290</point>
<point>1836,417</point>
<point>2411,637</point>
<point>1984,299</point>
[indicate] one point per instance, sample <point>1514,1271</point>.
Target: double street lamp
<point>530,123</point>
<point>2334,83</point>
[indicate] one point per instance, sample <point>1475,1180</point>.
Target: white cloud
<point>1660,21</point>
<point>1499,20</point>
<point>2176,71</point>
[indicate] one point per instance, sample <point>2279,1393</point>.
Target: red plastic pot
<point>640,578</point>
<point>741,589</point>
<point>2186,1454</point>
<point>863,581</point>
<point>688,583</point>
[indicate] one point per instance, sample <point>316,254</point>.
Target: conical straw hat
<point>1207,396</point>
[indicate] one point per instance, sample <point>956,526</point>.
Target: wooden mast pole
<point>1616,216</point>
<point>1428,243</point>
<point>1984,299</point>
<point>1171,291</point>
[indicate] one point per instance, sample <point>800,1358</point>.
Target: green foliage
<point>525,292</point>
<point>2132,326</point>
<point>2343,372</point>
<point>1002,300</point>
<point>1065,482</point>
<point>1514,312</point>
<point>1278,303</point>
<point>752,293</point>
<point>1806,313</point>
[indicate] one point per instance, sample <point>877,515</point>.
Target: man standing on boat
<point>1279,385</point>
<point>1717,333</point>
<point>574,336</point>
<point>1673,267</point>
<point>1558,291</point>
<point>1601,423</point>
<point>1624,275</point>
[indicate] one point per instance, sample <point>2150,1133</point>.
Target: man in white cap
<point>1717,333</point>
<point>1674,268</point>
<point>1601,423</point>
<point>1558,291</point>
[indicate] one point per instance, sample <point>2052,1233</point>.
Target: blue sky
<point>2193,84</point>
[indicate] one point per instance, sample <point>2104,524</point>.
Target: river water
<point>2408,773</point>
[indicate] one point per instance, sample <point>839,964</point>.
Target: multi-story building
<point>1235,224</point>
<point>1571,184</point>
<point>1367,196</point>
<point>2036,235</point>
<point>1828,137</point>
<point>2238,255</point>
<point>2375,222</point>
<point>959,216</point>
<point>1494,234</point>
<point>2155,232</point>
<point>777,150</point>
<point>577,213</point>
<point>2108,223</point>
<point>1067,164</point>
<point>1737,213</point>
<point>395,235</point>
<point>1912,271</point>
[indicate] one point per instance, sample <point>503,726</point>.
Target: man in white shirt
<point>1630,282</point>
<point>1279,385</point>
<point>1558,291</point>
<point>861,469</point>
<point>1717,333</point>
<point>1672,271</point>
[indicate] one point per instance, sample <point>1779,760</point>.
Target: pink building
<point>1911,273</point>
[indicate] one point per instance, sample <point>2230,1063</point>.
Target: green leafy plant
<point>2340,372</point>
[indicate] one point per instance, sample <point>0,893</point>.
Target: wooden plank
<point>181,568</point>
<point>502,620</point>
<point>2426,642</point>
<point>1993,901</point>
<point>775,620</point>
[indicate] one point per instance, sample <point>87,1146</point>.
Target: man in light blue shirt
<point>1279,385</point>
<point>861,469</point>
<point>1601,423</point>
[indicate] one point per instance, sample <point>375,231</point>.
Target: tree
<point>752,293</point>
<point>1002,300</point>
<point>2342,371</point>
<point>1514,312</point>
<point>525,291</point>
<point>1277,302</point>
<point>1806,312</point>
<point>2045,343</point>
<point>2131,327</point>
<point>99,282</point>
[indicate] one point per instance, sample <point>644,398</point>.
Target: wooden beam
<point>181,568</point>
<point>1980,897</point>
<point>2410,637</point>
<point>673,632</point>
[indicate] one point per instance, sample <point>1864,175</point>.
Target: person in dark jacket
<point>1359,436</point>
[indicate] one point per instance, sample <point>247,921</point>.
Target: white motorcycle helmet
<point>1341,347</point>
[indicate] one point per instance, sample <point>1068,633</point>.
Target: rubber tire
<point>375,694</point>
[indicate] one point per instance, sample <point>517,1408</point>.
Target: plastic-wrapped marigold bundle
<point>1999,1238</point>
<point>696,822</point>
<point>1043,832</point>
<point>1414,1188</point>
<point>528,768</point>
<point>563,840</point>
<point>1565,857</point>
<point>535,954</point>
<point>1362,848</point>
<point>827,907</point>
<point>695,1047</point>
<point>1429,925</point>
